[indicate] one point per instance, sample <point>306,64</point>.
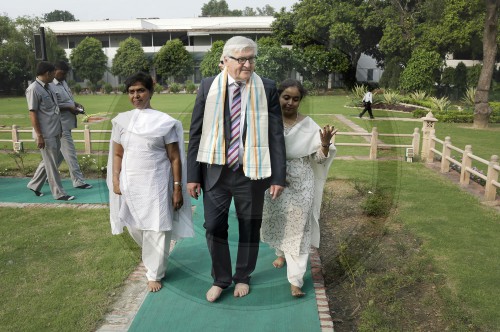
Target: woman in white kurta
<point>146,173</point>
<point>290,223</point>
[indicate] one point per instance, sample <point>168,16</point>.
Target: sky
<point>96,10</point>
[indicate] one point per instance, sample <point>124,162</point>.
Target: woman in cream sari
<point>290,222</point>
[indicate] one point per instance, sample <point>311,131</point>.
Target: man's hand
<point>194,189</point>
<point>40,142</point>
<point>276,190</point>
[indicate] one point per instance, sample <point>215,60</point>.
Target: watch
<point>178,183</point>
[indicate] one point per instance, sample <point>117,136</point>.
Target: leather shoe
<point>85,186</point>
<point>38,193</point>
<point>66,198</point>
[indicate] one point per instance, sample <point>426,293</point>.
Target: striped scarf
<point>212,149</point>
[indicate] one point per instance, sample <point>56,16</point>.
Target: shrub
<point>190,86</point>
<point>418,95</point>
<point>77,88</point>
<point>391,97</point>
<point>469,95</point>
<point>421,71</point>
<point>440,104</point>
<point>175,87</point>
<point>108,88</point>
<point>158,88</point>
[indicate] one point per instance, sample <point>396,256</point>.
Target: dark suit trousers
<point>248,198</point>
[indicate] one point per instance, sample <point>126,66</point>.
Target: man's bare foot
<point>241,289</point>
<point>154,286</point>
<point>279,262</point>
<point>297,292</point>
<point>214,293</point>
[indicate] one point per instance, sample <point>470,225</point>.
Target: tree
<point>209,66</point>
<point>130,58</point>
<point>173,60</point>
<point>14,57</point>
<point>249,11</point>
<point>273,61</point>
<point>346,28</point>
<point>17,59</point>
<point>88,60</point>
<point>315,63</point>
<point>216,8</point>
<point>267,10</point>
<point>422,71</point>
<point>482,109</point>
<point>59,15</point>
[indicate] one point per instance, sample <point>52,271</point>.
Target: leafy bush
<point>391,97</point>
<point>175,87</point>
<point>473,75</point>
<point>418,95</point>
<point>440,104</point>
<point>158,88</point>
<point>190,86</point>
<point>421,71</point>
<point>357,93</point>
<point>108,88</point>
<point>77,88</point>
<point>419,113</point>
<point>469,95</point>
<point>377,203</point>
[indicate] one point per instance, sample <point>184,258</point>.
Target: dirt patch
<point>376,276</point>
<point>395,107</point>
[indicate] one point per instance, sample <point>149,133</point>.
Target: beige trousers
<point>296,266</point>
<point>155,250</point>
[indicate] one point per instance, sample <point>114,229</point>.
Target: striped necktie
<point>234,143</point>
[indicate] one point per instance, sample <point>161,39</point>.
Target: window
<point>369,75</point>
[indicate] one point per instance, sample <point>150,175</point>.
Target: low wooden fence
<point>465,165</point>
<point>89,139</point>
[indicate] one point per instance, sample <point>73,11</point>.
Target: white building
<point>197,34</point>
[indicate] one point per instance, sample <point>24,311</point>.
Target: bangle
<point>326,145</point>
<point>178,183</point>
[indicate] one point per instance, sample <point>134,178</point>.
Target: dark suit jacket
<point>208,175</point>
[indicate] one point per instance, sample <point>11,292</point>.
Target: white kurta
<point>146,180</point>
<point>290,223</point>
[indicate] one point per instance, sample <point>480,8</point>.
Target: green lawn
<point>60,268</point>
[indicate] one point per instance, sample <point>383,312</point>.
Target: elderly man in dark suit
<point>236,151</point>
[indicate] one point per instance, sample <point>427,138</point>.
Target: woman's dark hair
<point>289,83</point>
<point>43,67</point>
<point>141,77</point>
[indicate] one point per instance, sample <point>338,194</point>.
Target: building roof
<point>205,24</point>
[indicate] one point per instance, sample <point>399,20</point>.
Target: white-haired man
<point>236,151</point>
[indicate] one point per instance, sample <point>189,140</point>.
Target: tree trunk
<point>482,109</point>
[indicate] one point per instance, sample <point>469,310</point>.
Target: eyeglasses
<point>242,61</point>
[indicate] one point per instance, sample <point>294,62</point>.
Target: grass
<point>460,240</point>
<point>60,268</point>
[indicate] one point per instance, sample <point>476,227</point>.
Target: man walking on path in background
<point>367,102</point>
<point>236,151</point>
<point>46,121</point>
<point>69,110</point>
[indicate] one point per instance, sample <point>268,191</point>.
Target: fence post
<point>490,191</point>
<point>431,145</point>
<point>466,162</point>
<point>15,136</point>
<point>373,144</point>
<point>427,128</point>
<point>445,163</point>
<point>88,143</point>
<point>416,142</point>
